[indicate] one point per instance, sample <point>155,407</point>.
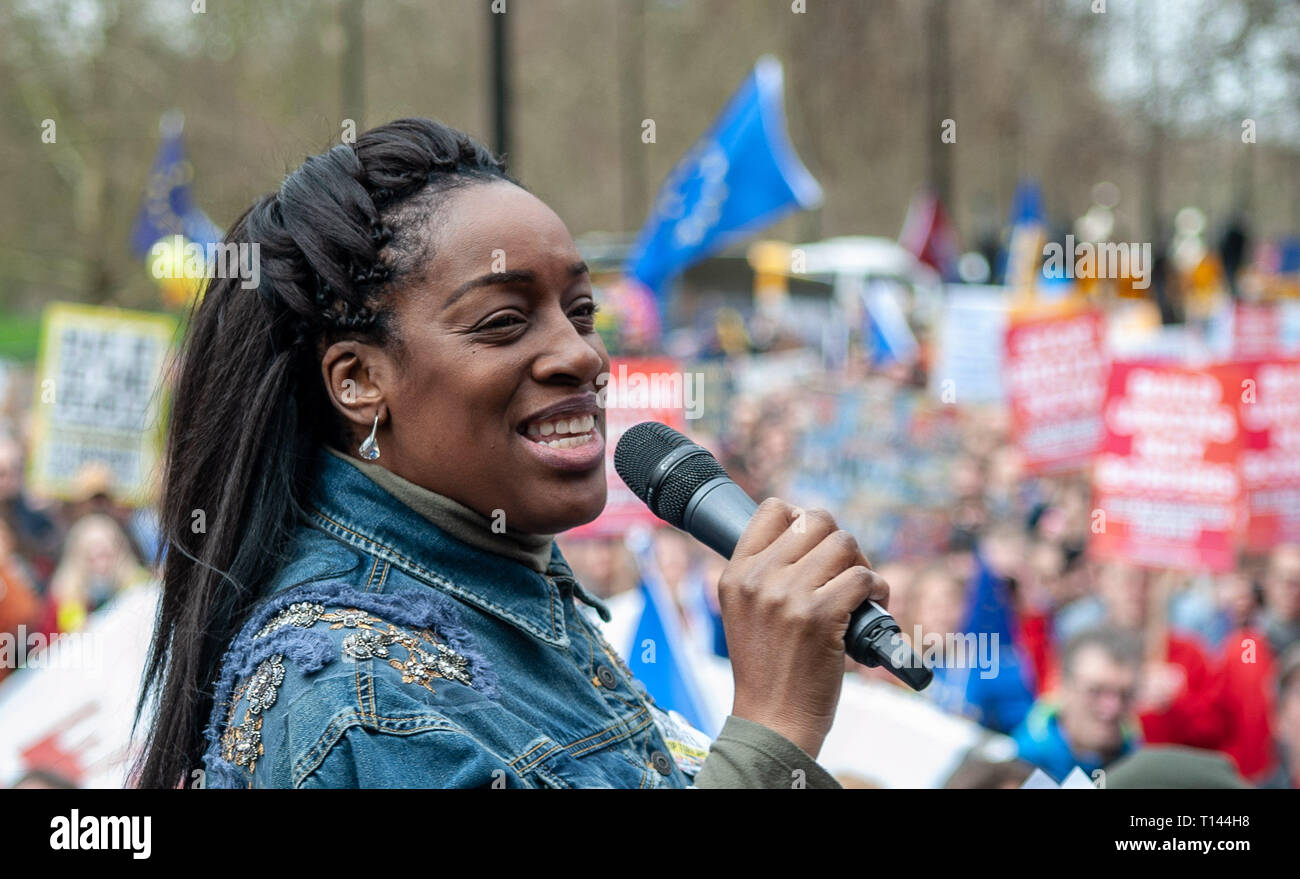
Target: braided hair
<point>345,231</point>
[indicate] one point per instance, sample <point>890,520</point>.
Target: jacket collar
<point>350,506</point>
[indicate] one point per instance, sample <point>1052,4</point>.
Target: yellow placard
<point>100,404</point>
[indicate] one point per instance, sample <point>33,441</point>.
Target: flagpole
<point>631,79</point>
<point>500,80</point>
<point>352,72</point>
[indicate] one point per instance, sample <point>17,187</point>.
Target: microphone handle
<point>873,637</point>
<point>729,511</point>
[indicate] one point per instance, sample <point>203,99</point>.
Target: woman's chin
<point>569,509</point>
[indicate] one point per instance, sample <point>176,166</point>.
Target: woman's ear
<point>355,375</point>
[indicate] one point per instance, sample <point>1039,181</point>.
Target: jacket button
<point>659,760</point>
<point>606,677</point>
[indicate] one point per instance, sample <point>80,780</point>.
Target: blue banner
<point>168,208</point>
<point>741,176</point>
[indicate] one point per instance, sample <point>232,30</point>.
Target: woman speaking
<point>369,456</point>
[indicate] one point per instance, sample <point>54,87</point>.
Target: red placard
<point>639,389</point>
<point>1167,492</point>
<point>1270,459</point>
<point>1055,372</point>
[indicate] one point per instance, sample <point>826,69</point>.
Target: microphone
<point>683,484</point>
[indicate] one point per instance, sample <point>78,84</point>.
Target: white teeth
<point>577,425</point>
<point>568,442</point>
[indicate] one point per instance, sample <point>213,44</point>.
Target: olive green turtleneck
<point>466,525</point>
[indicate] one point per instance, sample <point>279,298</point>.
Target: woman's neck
<point>467,525</point>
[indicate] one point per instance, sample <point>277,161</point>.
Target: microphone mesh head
<point>638,453</point>
<point>680,486</point>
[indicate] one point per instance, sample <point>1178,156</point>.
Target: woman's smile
<point>568,435</point>
<point>576,449</point>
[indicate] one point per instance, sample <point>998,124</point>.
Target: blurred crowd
<point>1096,659</point>
<point>61,561</point>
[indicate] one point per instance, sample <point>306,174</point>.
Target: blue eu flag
<point>661,661</point>
<point>741,176</point>
<point>1001,700</point>
<point>168,208</point>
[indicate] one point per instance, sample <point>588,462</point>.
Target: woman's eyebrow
<point>493,279</point>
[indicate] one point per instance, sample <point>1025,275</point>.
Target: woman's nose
<point>567,353</point>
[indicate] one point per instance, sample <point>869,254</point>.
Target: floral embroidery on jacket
<point>242,742</point>
<point>301,613</point>
<point>420,666</point>
<point>373,638</point>
<point>421,633</point>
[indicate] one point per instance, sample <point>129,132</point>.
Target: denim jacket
<point>386,653</point>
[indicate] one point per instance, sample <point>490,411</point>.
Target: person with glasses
<point>1089,721</point>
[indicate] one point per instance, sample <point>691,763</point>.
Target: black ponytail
<point>249,406</point>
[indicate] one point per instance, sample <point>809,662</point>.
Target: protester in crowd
<point>35,532</point>
<point>1247,666</point>
<point>1281,620</point>
<point>1215,606</point>
<point>1089,722</point>
<point>1039,590</point>
<point>1247,663</point>
<point>1287,723</point>
<point>93,493</point>
<point>938,601</point>
<point>603,564</point>
<point>1180,693</point>
<point>681,569</point>
<point>1008,494</point>
<point>968,635</point>
<point>1084,611</point>
<point>19,603</point>
<point>97,564</point>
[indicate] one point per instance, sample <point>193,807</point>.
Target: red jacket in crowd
<point>1197,716</point>
<point>1247,666</point>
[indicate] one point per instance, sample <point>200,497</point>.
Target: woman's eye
<point>501,322</point>
<point>585,313</point>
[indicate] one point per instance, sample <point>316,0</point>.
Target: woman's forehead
<point>499,227</point>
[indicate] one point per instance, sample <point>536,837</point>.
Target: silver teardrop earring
<point>369,448</point>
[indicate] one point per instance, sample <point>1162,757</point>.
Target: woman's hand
<point>786,597</point>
